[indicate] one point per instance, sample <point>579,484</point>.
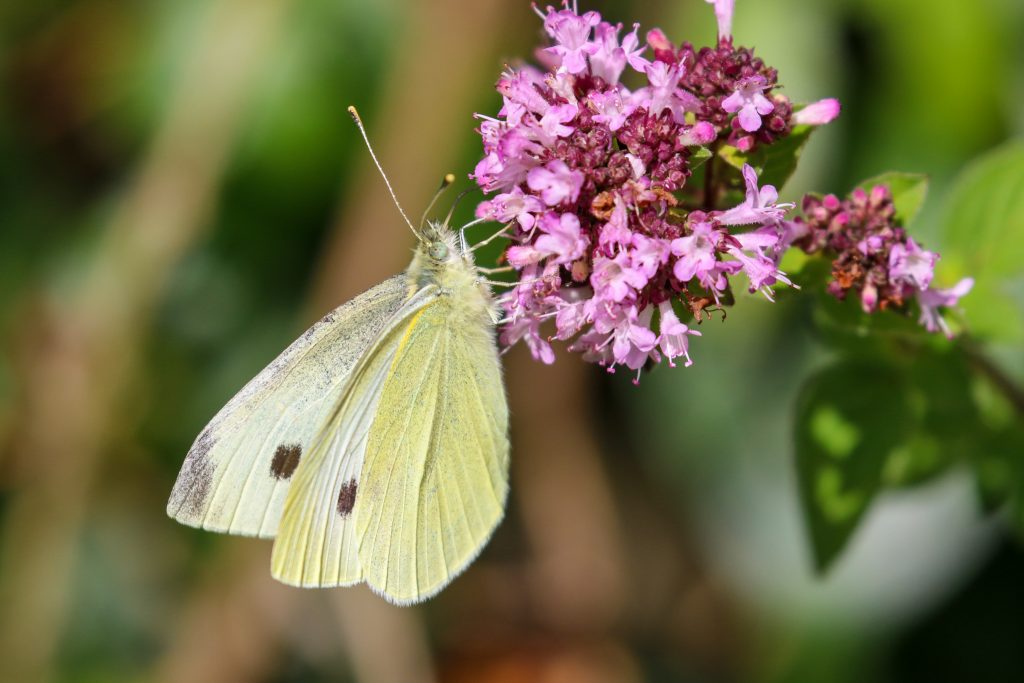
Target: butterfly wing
<point>435,475</point>
<point>236,475</point>
<point>316,544</point>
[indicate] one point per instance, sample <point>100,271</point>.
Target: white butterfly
<point>374,448</point>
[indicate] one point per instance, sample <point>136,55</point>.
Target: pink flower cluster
<point>587,172</point>
<point>873,256</point>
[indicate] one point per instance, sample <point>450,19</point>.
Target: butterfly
<point>374,448</point>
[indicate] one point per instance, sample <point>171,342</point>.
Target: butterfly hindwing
<point>238,471</point>
<point>435,475</point>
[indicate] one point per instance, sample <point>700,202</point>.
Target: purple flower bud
<point>701,133</point>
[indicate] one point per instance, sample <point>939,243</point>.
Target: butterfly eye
<point>438,251</point>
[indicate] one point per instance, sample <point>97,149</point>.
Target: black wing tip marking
<point>347,497</point>
<point>286,459</point>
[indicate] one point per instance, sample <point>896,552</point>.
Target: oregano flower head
<point>591,163</point>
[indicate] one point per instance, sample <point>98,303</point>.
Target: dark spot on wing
<point>188,498</point>
<point>286,459</point>
<point>347,498</point>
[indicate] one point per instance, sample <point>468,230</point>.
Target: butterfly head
<point>440,244</point>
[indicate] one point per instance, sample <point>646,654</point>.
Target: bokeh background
<point>181,193</point>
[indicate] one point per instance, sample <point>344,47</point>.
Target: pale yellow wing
<point>238,471</point>
<point>315,544</point>
<point>435,476</point>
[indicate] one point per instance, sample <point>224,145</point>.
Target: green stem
<point>709,182</point>
<point>1005,384</point>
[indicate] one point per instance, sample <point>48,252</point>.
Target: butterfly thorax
<point>440,261</point>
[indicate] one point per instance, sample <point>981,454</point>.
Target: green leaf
<point>983,237</point>
<point>698,157</point>
<point>944,416</point>
<point>908,192</point>
<point>850,418</point>
<point>774,163</point>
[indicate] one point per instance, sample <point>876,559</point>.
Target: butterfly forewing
<point>316,545</point>
<point>238,471</point>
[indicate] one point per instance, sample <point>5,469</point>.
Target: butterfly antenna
<point>448,179</point>
<point>455,205</point>
<point>394,197</point>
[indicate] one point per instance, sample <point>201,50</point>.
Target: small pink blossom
<point>912,264</point>
<point>664,92</point>
<point>514,205</point>
<point>818,113</point>
<point>552,124</point>
<point>620,336</point>
<point>615,279</point>
<point>759,206</point>
<point>561,238</point>
<point>696,252</point>
<point>649,254</point>
<point>571,318</point>
<point>931,300</point>
<point>571,33</point>
<point>555,182</point>
<point>616,233</point>
<point>611,109</point>
<point>673,337</point>
<point>519,90</point>
<point>723,13</point>
<point>748,99</point>
<point>528,330</point>
<point>610,59</point>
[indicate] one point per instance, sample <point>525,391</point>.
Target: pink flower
<point>817,113</point>
<point>664,92</point>
<point>931,300</point>
<point>674,335</point>
<point>556,182</point>
<point>758,207</point>
<point>649,254</point>
<point>561,238</point>
<point>616,232</point>
<point>519,90</point>
<point>626,332</point>
<point>615,279</point>
<point>749,101</point>
<point>572,316</point>
<point>552,124</point>
<point>696,252</point>
<point>723,13</point>
<point>609,60</point>
<point>912,265</point>
<point>528,329</point>
<point>571,33</point>
<point>611,109</point>
<point>514,205</point>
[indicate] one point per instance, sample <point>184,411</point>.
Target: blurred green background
<point>181,193</point>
